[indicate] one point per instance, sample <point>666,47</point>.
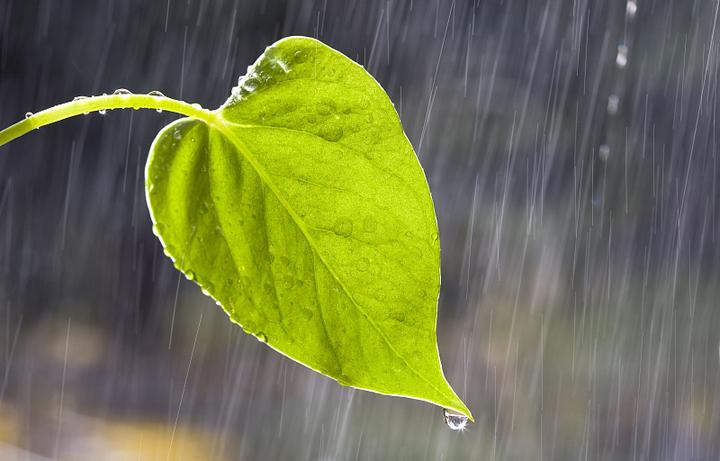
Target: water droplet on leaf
<point>300,56</point>
<point>331,133</point>
<point>158,228</point>
<point>122,91</point>
<point>28,114</point>
<point>455,421</point>
<point>369,225</point>
<point>343,227</point>
<point>102,111</point>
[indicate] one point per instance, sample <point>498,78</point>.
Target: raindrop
<point>122,91</point>
<point>343,227</point>
<point>613,104</point>
<point>622,56</point>
<point>604,152</point>
<point>251,84</point>
<point>28,114</point>
<point>300,56</point>
<point>331,133</point>
<point>631,10</point>
<point>455,421</point>
<point>196,105</point>
<point>102,111</point>
<point>369,225</point>
<point>435,236</point>
<point>262,337</point>
<point>157,94</point>
<point>323,109</point>
<point>79,98</point>
<point>190,275</point>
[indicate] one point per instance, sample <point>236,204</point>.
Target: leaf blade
<point>311,180</point>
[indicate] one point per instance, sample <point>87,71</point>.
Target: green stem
<point>100,103</point>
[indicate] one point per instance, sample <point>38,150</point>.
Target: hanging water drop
<point>455,421</point>
<point>157,94</point>
<point>102,111</point>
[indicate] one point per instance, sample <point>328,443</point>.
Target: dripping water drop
<point>455,421</point>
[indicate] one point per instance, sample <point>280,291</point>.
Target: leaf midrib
<point>218,122</point>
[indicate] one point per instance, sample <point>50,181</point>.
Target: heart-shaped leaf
<point>300,206</point>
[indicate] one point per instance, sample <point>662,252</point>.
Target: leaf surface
<point>301,208</point>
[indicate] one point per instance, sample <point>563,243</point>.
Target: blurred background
<point>571,148</point>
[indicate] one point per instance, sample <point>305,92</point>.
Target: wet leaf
<point>300,207</point>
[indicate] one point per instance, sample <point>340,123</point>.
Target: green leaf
<point>300,206</point>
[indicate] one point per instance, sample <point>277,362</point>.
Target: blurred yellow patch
<point>151,441</point>
<point>9,425</point>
